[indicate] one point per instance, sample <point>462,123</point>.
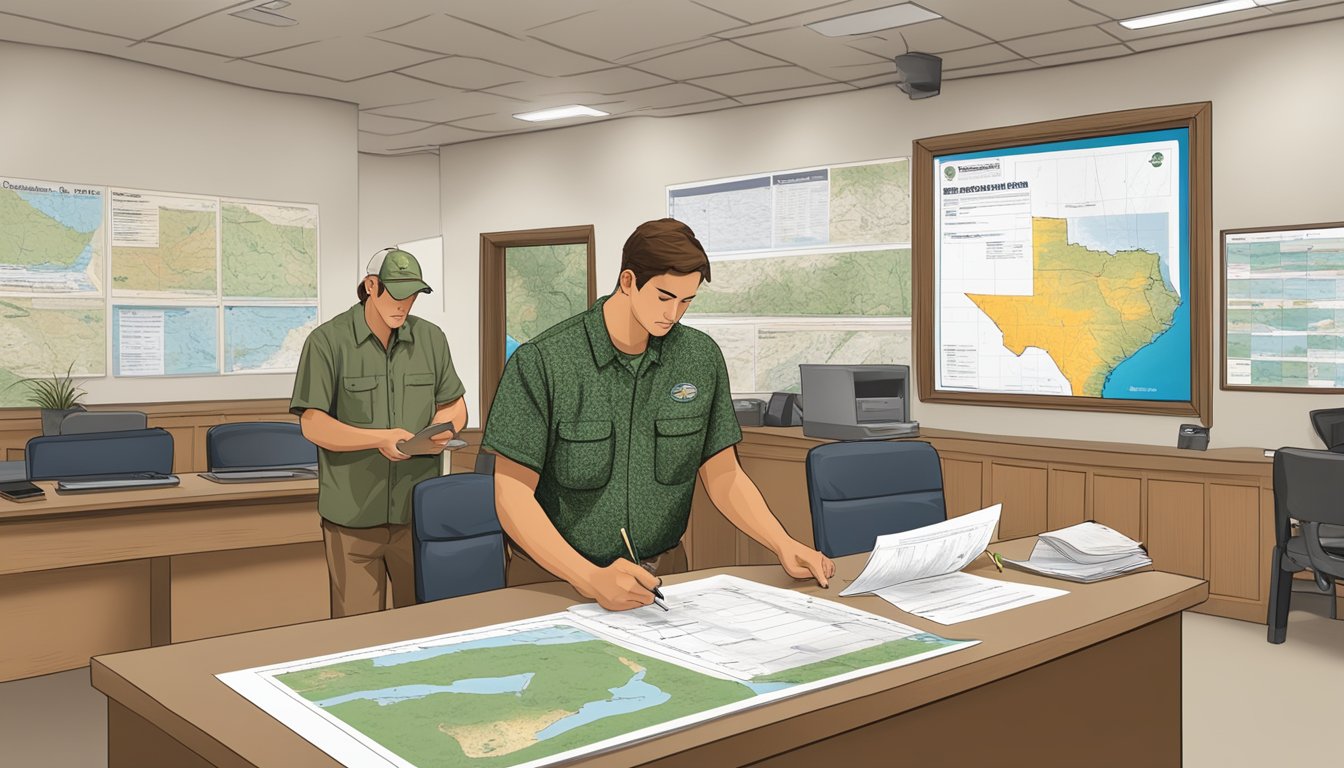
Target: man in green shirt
<point>602,422</point>
<point>369,378</point>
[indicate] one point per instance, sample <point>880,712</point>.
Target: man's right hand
<point>620,586</point>
<point>388,447</point>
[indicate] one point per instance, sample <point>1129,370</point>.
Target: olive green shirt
<point>345,372</point>
<point>613,449</point>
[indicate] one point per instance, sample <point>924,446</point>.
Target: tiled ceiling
<point>430,72</point>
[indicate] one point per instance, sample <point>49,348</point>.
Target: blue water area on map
<point>254,335</point>
<point>510,344</point>
<point>189,335</point>
<point>543,636</point>
<point>1125,232</point>
<point>82,213</point>
<point>631,697</point>
<point>397,694</point>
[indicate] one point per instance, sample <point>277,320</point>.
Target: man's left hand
<point>802,562</point>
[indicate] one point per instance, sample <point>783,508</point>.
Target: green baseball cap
<point>399,272</point>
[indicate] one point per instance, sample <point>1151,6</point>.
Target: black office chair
<point>861,490</point>
<point>258,445</point>
<point>1329,424</point>
<point>485,463</point>
<point>459,544</point>
<point>63,457</point>
<point>1308,488</point>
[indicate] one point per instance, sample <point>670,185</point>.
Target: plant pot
<point>51,419</point>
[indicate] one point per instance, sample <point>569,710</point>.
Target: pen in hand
<point>657,593</point>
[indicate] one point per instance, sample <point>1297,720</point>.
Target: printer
<point>857,402</point>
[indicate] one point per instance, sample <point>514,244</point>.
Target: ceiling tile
<point>388,89</point>
<point>675,95</point>
<point>455,107</point>
<point>250,73</point>
<point>1003,21</point>
<point>346,58</point>
<point>389,126</point>
<point>607,82</point>
<point>758,80</point>
<point>990,69</point>
<point>873,82</point>
<point>1090,54</point>
<point>1125,9</point>
<point>851,74</point>
<point>516,17</point>
<point>820,11</point>
<point>21,30</point>
<point>136,19</point>
<point>687,109</point>
<point>181,59</point>
<point>1222,19</point>
<point>974,57</point>
<point>628,28</point>
<point>933,36</point>
<point>794,93</point>
<point>459,38</point>
<point>1297,5</point>
<point>754,11</point>
<point>467,73</point>
<point>1060,42</point>
<point>713,59</point>
<point>808,49</point>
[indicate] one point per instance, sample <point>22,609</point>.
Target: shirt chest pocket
<point>418,398</point>
<point>583,454</point>
<point>355,403</point>
<point>677,449</point>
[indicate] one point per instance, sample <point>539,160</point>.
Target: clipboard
<point>422,445</point>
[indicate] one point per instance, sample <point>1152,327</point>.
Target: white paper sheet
<point>929,551</point>
<point>957,597</point>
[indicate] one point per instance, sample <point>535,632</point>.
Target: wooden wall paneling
<point>1117,502</point>
<point>963,485</point>
<point>784,488</point>
<point>262,587</point>
<point>1235,547</point>
<point>713,538</point>
<point>1067,493</point>
<point>1021,488</point>
<point>56,620</point>
<point>1176,526</point>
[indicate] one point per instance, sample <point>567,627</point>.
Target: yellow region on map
<point>1089,310</point>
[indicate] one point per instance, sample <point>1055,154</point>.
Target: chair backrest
<point>84,422</point>
<point>1308,487</point>
<point>861,490</point>
<point>258,444</point>
<point>485,463</point>
<point>459,545</point>
<point>1329,424</point>
<point>59,457</point>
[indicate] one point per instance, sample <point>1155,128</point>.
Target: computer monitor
<point>857,402</point>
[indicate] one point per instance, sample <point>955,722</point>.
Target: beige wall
<point>1278,159</point>
<point>84,118</point>
<point>398,202</point>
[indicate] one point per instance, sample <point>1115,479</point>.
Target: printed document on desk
<point>955,597</point>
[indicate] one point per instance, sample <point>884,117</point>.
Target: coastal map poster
<point>1062,272</point>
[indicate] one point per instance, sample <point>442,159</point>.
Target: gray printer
<point>857,402</point>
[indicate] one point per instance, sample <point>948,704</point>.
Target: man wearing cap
<point>369,378</point>
<point>602,423</point>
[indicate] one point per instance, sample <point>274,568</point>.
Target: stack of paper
<point>919,572</point>
<point>1085,552</point>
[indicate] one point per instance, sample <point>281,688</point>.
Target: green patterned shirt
<point>613,450</point>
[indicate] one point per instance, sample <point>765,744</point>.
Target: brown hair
<point>662,246</point>
<point>363,292</point>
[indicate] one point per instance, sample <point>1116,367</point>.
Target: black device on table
<point>21,490</point>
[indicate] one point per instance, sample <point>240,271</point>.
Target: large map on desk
<point>559,687</point>
<point>1064,269</point>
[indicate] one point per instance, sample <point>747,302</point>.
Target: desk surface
<point>173,687</point>
<point>194,490</point>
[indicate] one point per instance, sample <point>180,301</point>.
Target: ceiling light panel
<point>561,113</point>
<point>1189,13</point>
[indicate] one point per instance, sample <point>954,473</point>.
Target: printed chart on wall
<point>808,265</point>
<point>1284,290</point>
<point>1064,269</point>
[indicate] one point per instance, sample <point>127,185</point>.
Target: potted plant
<point>58,397</point>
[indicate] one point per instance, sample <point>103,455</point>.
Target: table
<point>84,574</point>
<point>1094,672</point>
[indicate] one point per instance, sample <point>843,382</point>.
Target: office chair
<point>485,463</point>
<point>1308,486</point>
<point>861,490</point>
<point>1329,424</point>
<point>61,457</point>
<point>459,545</point>
<point>258,445</point>
<point>85,422</point>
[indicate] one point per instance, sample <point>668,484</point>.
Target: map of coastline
<point>51,241</point>
<point>1089,311</point>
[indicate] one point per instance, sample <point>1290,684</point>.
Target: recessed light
<point>1193,12</point>
<point>560,113</point>
<point>874,20</point>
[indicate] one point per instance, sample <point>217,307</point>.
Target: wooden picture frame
<point>1226,299</point>
<point>1195,119</point>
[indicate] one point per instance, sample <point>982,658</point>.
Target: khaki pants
<point>522,569</point>
<point>359,562</point>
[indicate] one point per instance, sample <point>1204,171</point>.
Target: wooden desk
<point>84,574</point>
<point>1095,672</point>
